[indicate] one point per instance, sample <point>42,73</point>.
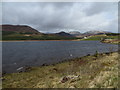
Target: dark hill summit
<point>64,34</point>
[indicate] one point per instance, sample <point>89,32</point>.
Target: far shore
<point>112,42</point>
<point>35,40</point>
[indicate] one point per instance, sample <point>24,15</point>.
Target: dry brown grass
<point>85,72</point>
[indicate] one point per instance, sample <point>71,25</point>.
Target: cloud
<point>59,16</point>
<point>99,7</point>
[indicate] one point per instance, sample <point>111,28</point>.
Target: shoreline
<point>25,68</point>
<point>35,40</point>
<point>111,41</point>
<point>65,73</point>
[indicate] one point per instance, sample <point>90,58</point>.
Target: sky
<point>52,17</point>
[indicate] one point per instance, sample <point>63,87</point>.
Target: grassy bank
<point>104,38</point>
<point>96,71</point>
<point>16,36</point>
<point>37,37</point>
<point>113,41</point>
<point>100,37</point>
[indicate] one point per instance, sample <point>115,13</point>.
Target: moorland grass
<point>85,72</point>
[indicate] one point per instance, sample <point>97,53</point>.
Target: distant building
<point>85,37</point>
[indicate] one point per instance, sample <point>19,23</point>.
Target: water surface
<point>37,53</point>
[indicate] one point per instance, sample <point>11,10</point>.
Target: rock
<point>20,68</point>
<point>44,64</point>
<point>65,79</point>
<point>73,78</point>
<point>55,69</point>
<point>24,69</point>
<point>27,69</point>
<point>88,54</point>
<point>3,73</point>
<point>107,53</point>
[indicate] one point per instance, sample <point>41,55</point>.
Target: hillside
<point>95,32</point>
<point>20,29</point>
<point>64,34</point>
<point>75,33</point>
<point>21,32</point>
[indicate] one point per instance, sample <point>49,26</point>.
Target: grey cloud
<point>54,17</point>
<point>99,7</point>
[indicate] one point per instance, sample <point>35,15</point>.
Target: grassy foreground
<point>96,71</point>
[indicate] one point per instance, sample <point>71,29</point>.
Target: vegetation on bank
<point>92,71</point>
<point>101,37</point>
<point>108,38</point>
<point>113,41</point>
<point>11,35</point>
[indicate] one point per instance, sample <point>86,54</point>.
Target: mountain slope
<point>20,29</point>
<point>64,34</point>
<point>21,32</point>
<point>95,32</point>
<point>75,33</point>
